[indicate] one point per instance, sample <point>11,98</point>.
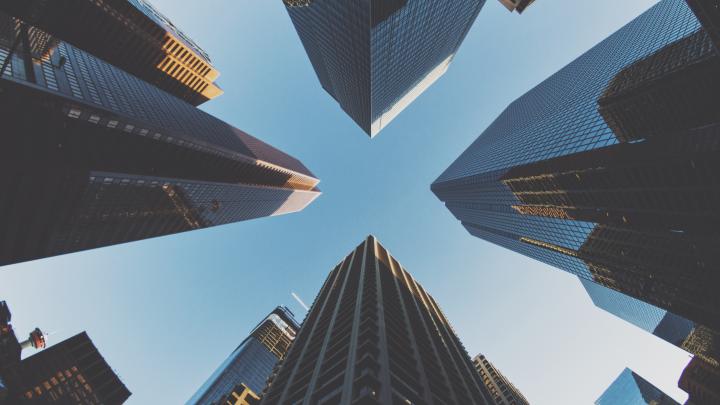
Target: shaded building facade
<point>607,168</point>
<point>501,390</point>
<point>701,380</point>
<point>375,336</point>
<point>252,362</point>
<point>129,34</point>
<point>71,372</point>
<point>376,57</point>
<point>99,157</point>
<point>631,389</point>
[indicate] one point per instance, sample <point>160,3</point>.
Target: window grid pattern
<point>369,59</point>
<point>411,42</point>
<point>558,117</point>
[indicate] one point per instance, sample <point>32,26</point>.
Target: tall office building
<point>252,362</point>
<point>661,323</point>
<point>502,391</point>
<point>129,34</point>
<point>631,389</point>
<point>607,169</point>
<point>375,336</point>
<point>376,57</point>
<point>71,372</point>
<point>95,156</point>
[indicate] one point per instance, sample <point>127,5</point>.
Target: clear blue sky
<point>166,312</point>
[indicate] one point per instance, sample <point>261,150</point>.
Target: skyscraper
<point>631,389</point>
<point>375,336</point>
<point>376,57</point>
<point>502,391</point>
<point>129,34</point>
<point>252,362</point>
<point>99,157</point>
<point>607,168</point>
<point>661,323</point>
<point>71,372</point>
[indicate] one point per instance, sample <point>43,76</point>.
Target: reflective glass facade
<point>254,359</point>
<point>375,57</point>
<point>631,389</point>
<point>661,323</point>
<point>601,171</point>
<point>130,34</point>
<point>102,157</point>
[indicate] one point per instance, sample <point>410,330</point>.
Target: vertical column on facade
<point>460,387</point>
<point>383,325</point>
<point>440,383</point>
<point>329,373</point>
<point>316,319</point>
<point>460,354</point>
<point>415,359</point>
<point>358,310</point>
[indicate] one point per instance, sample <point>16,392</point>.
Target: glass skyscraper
<point>661,323</point>
<point>100,157</point>
<point>252,362</point>
<point>375,57</point>
<point>631,389</point>
<point>374,336</point>
<point>607,169</point>
<point>129,34</point>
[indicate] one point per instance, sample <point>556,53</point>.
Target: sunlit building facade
<point>375,336</point>
<point>240,395</point>
<point>100,157</point>
<point>607,169</point>
<point>252,362</point>
<point>502,391</point>
<point>129,34</point>
<point>376,57</point>
<point>631,389</point>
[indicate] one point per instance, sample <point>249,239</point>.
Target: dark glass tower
<point>129,34</point>
<point>502,391</point>
<point>253,361</point>
<point>95,156</point>
<point>631,389</point>
<point>608,169</point>
<point>661,323</point>
<point>375,57</point>
<point>375,336</point>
